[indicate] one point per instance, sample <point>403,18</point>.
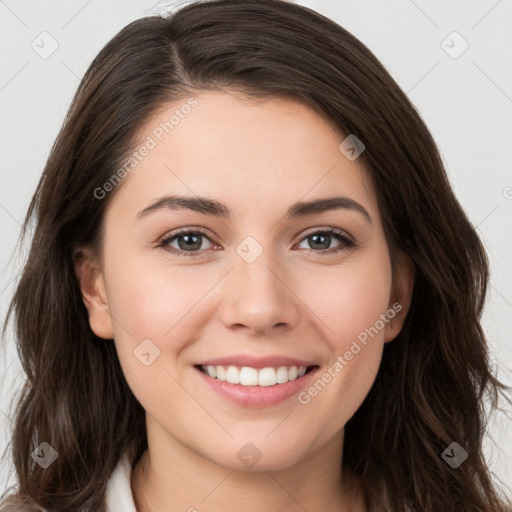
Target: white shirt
<point>119,497</point>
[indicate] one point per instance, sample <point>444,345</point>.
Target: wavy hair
<point>434,379</point>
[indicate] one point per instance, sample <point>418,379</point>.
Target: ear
<point>94,295</point>
<point>401,295</point>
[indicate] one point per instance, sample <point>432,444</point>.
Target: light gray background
<point>466,102</point>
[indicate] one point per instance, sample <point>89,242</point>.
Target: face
<point>240,283</point>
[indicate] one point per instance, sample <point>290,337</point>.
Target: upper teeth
<point>247,376</point>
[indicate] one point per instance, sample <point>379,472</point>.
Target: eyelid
<point>328,229</point>
<point>166,238</point>
<point>187,229</point>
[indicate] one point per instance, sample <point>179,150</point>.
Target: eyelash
<point>347,243</point>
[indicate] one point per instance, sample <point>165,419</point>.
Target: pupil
<point>316,238</point>
<point>191,241</point>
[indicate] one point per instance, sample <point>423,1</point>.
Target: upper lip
<point>257,362</point>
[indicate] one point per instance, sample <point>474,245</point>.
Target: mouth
<point>251,387</point>
<point>249,376</point>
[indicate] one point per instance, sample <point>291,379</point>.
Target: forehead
<point>251,154</point>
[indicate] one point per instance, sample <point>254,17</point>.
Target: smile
<point>255,387</point>
<point>248,376</point>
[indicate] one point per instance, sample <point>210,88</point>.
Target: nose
<point>258,298</point>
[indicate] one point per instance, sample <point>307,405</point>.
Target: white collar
<point>119,497</point>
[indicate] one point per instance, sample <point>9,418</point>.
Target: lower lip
<point>257,396</point>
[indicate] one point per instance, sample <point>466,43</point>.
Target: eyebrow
<point>209,206</point>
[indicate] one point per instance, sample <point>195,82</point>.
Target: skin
<point>295,299</point>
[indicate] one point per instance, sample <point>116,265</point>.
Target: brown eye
<point>189,243</point>
<point>320,241</point>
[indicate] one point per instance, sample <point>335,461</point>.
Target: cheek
<point>154,321</point>
<point>158,310</point>
<point>348,303</point>
<point>349,299</point>
<point>148,295</point>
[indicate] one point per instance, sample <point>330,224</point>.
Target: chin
<point>260,455</point>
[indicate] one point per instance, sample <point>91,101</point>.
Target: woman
<point>189,345</point>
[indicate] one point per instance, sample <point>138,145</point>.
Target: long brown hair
<point>435,377</point>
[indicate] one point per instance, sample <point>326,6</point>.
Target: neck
<point>316,482</point>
